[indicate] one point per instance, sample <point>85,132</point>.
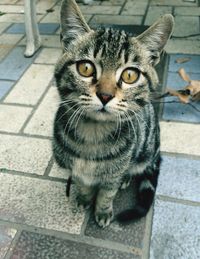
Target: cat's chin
<point>102,115</point>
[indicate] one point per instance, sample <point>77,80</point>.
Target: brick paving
<point>36,219</point>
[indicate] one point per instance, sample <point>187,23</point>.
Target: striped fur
<point>105,145</point>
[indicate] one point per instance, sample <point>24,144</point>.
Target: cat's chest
<point>86,170</point>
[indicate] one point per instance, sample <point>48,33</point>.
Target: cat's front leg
<point>84,196</point>
<point>104,206</point>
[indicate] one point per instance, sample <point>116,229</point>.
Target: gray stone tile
<point>183,46</point>
<point>179,178</point>
<point>173,3</point>
<point>59,172</point>
<point>32,245</point>
<point>32,85</point>
<point>180,138</point>
<point>113,2</point>
<point>154,12</point>
<point>186,25</point>
<point>44,28</point>
<point>12,118</point>
<point>176,231</point>
<point>5,86</point>
<point>39,203</point>
<point>100,9</point>
<point>179,111</point>
<point>48,56</point>
<point>129,234</point>
<point>189,11</point>
<point>14,65</point>
<point>47,41</point>
<point>10,8</point>
<point>42,121</point>
<point>4,26</point>
<point>15,17</point>
<point>191,66</point>
<point>116,19</point>
<point>135,7</point>
<point>24,154</point>
<point>6,237</point>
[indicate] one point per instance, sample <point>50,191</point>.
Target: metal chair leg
<point>32,32</point>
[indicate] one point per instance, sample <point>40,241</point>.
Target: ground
<point>36,219</point>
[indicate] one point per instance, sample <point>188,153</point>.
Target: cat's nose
<point>104,97</point>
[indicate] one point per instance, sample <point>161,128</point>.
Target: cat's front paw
<point>103,219</point>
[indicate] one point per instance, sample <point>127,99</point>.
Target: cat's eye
<point>130,75</point>
<point>85,68</point>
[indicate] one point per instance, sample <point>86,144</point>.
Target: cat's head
<point>106,73</point>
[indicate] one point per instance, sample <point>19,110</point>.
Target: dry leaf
<point>184,75</point>
<point>182,60</point>
<point>183,97</point>
<point>194,88</point>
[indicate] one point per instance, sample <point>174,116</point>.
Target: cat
<point>106,130</point>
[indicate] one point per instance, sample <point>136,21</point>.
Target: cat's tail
<point>146,187</point>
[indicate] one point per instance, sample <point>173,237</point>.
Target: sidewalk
<point>36,220</point>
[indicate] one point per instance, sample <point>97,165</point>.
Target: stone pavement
<point>36,220</point>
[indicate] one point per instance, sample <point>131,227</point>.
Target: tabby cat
<point>106,131</point>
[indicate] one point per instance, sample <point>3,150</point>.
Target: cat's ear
<point>73,24</point>
<point>155,37</point>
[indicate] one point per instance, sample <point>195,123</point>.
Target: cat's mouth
<point>103,110</point>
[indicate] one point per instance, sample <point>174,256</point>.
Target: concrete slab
<point>176,231</point>
<point>32,85</point>
<point>42,121</point>
<point>39,203</point>
<point>12,118</point>
<point>53,247</point>
<point>24,154</point>
<point>6,236</point>
<point>14,65</point>
<point>179,178</point>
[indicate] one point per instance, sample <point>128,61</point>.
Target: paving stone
<point>176,231</point>
<point>33,245</point>
<point>192,66</point>
<point>154,12</point>
<point>100,9</point>
<point>187,11</point>
<point>135,7</point>
<point>178,111</point>
<point>180,138</point>
<point>44,28</point>
<point>32,85</point>
<point>12,8</point>
<point>24,154</point>
<point>183,46</point>
<point>173,3</point>
<point>8,1</point>
<point>14,65</point>
<point>116,19</point>
<point>53,17</point>
<point>113,2</point>
<point>47,41</point>
<point>129,234</point>
<point>4,26</point>
<point>186,25</point>
<point>48,56</point>
<point>4,50</point>
<point>39,203</point>
<point>59,172</point>
<point>15,18</point>
<point>6,237</point>
<point>42,121</point>
<point>182,177</point>
<point>5,86</point>
<point>43,6</point>
<point>12,118</point>
<point>11,40</point>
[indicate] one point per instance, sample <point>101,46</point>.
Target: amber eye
<point>130,75</point>
<point>85,68</point>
